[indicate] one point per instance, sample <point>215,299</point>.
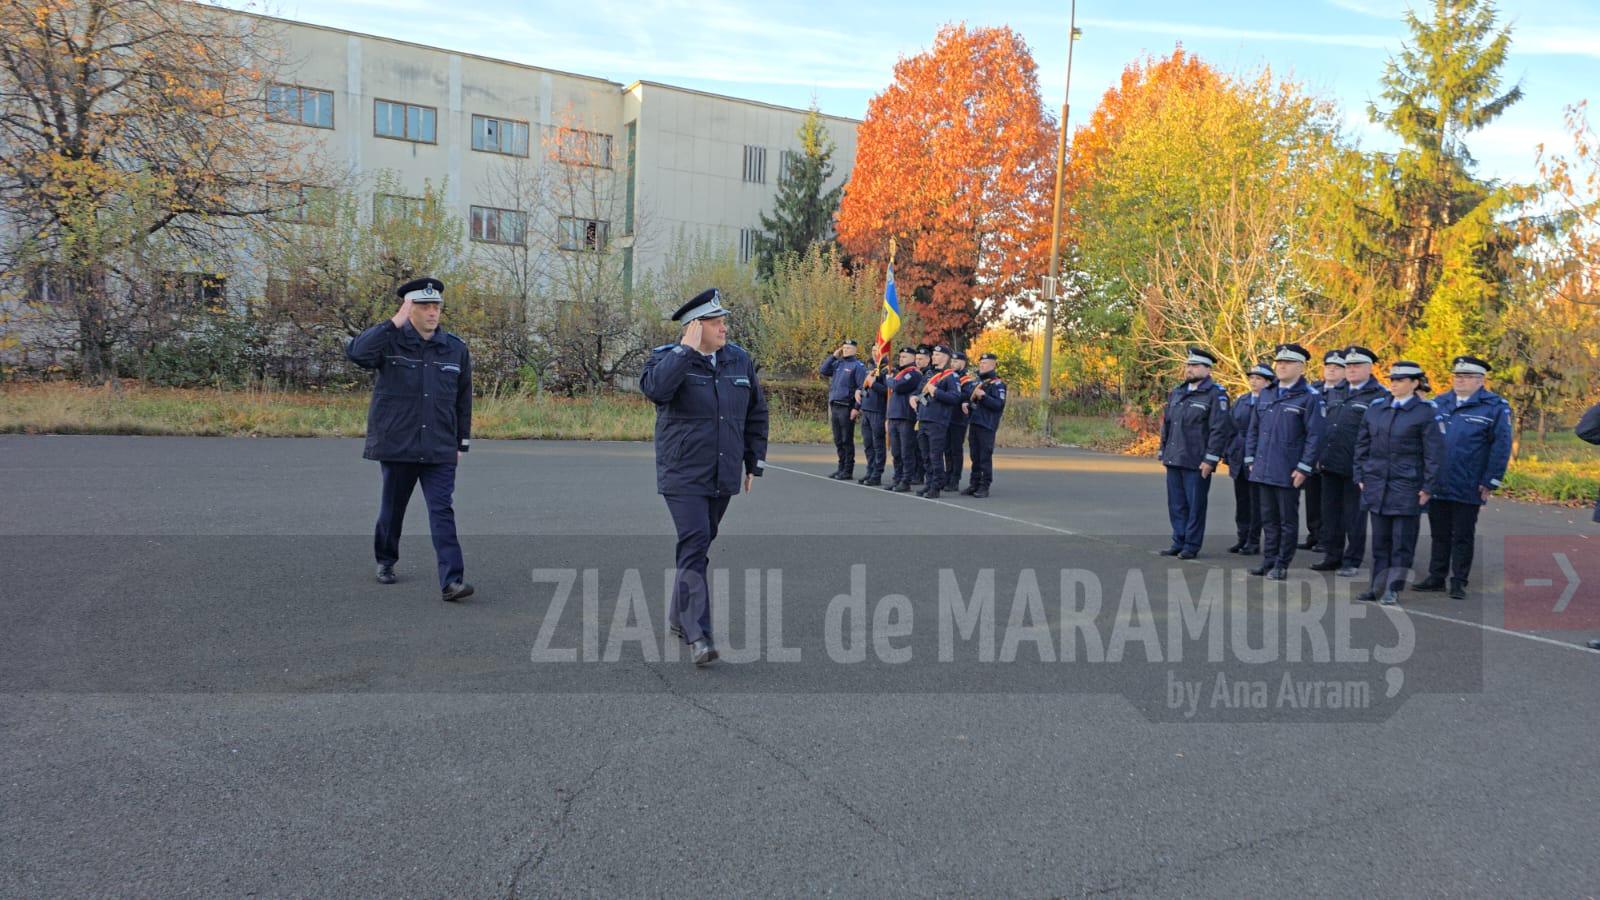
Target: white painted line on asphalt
<point>1493,629</point>
<point>910,496</point>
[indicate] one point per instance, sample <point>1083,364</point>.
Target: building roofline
<point>378,37</point>
<point>776,106</point>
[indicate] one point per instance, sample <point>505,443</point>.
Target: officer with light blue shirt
<point>845,374</point>
<point>711,427</point>
<point>1281,447</point>
<point>1478,449</point>
<point>1344,526</point>
<point>1194,435</point>
<point>1398,457</point>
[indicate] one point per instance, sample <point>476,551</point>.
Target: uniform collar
<point>412,333</point>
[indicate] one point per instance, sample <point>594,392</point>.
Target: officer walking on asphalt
<point>1246,502</point>
<point>1344,527</point>
<point>845,374</point>
<point>874,404</point>
<point>986,404</point>
<point>902,415</point>
<point>1398,457</point>
<point>1194,435</point>
<point>418,425</point>
<point>1477,449</point>
<point>1284,440</point>
<point>711,426</point>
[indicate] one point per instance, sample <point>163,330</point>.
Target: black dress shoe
<point>1307,544</point>
<point>932,493</point>
<point>1458,590</point>
<point>835,473</point>
<point>704,653</point>
<point>980,493</point>
<point>1429,584</point>
<point>1389,598</point>
<point>1172,551</point>
<point>386,574</point>
<point>1348,572</point>
<point>1237,546</point>
<point>899,487</point>
<point>873,482</point>
<point>969,490</point>
<point>1261,569</point>
<point>1278,574</point>
<point>1324,565</point>
<point>1188,554</point>
<point>458,590</point>
<point>1249,549</point>
<point>1594,644</point>
<point>1367,596</point>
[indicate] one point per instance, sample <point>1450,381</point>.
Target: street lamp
<point>1053,280</point>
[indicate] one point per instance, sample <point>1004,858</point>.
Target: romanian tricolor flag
<point>891,317</point>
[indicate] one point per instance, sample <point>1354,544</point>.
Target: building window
<point>786,159</point>
<point>499,226</point>
<point>300,105</point>
<point>633,179</point>
<point>404,121</point>
<point>747,243</point>
<point>755,164</point>
<point>584,234</point>
<point>507,136</point>
<point>392,208</point>
<point>302,204</point>
<point>583,148</point>
<point>187,292</point>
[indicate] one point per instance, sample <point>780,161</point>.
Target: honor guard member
<point>1246,505</point>
<point>1332,379</point>
<point>1344,525</point>
<point>940,394</point>
<point>986,403</point>
<point>1477,448</point>
<point>1398,457</point>
<point>955,443</point>
<point>711,427</point>
<point>873,405</point>
<point>1194,435</point>
<point>845,374</point>
<point>903,387</point>
<point>919,464</point>
<point>419,424</point>
<point>1283,442</point>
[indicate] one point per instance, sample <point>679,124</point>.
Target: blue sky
<point>842,53</point>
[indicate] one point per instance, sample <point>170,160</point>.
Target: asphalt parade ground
<point>204,692</point>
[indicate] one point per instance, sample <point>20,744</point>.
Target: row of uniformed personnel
<point>928,406</point>
<point>1384,455</point>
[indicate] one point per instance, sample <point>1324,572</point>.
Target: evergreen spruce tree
<point>802,214</point>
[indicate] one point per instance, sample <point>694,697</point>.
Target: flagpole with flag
<point>887,329</point>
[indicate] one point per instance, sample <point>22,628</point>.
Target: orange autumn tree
<point>955,160</point>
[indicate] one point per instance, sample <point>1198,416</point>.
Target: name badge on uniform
<point>449,367</point>
<point>742,381</point>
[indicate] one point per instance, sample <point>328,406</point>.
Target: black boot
<point>1430,584</point>
<point>981,492</point>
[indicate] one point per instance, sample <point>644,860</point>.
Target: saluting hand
<point>691,335</point>
<point>400,318</point>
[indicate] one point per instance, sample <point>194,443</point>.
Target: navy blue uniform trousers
<point>930,442</point>
<point>872,439</point>
<point>903,445</point>
<point>981,441</point>
<point>1453,533</point>
<point>1394,545</point>
<point>696,519</point>
<point>844,435</point>
<point>1246,507</point>
<point>438,486</point>
<point>1187,497</point>
<point>1344,528</point>
<point>955,446</point>
<point>1280,523</point>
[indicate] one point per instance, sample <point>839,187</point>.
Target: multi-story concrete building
<point>683,164</point>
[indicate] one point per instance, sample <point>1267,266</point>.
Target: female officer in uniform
<point>711,422</point>
<point>1399,457</point>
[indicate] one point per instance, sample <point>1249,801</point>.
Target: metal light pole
<point>1051,282</point>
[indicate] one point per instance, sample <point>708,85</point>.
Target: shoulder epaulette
<point>663,347</point>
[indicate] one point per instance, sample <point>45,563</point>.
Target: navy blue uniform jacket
<point>421,410</point>
<point>1477,444</point>
<point>1194,427</point>
<point>1285,434</point>
<point>711,422</point>
<point>1398,453</point>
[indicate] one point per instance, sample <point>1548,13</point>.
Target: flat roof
<point>688,90</point>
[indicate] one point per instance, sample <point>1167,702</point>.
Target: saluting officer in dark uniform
<point>1398,458</point>
<point>903,387</point>
<point>1246,503</point>
<point>845,373</point>
<point>1344,527</point>
<point>1332,379</point>
<point>955,443</point>
<point>986,403</point>
<point>711,425</point>
<point>940,394</point>
<point>1284,440</point>
<point>1194,435</point>
<point>874,403</point>
<point>418,425</point>
<point>1477,450</point>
